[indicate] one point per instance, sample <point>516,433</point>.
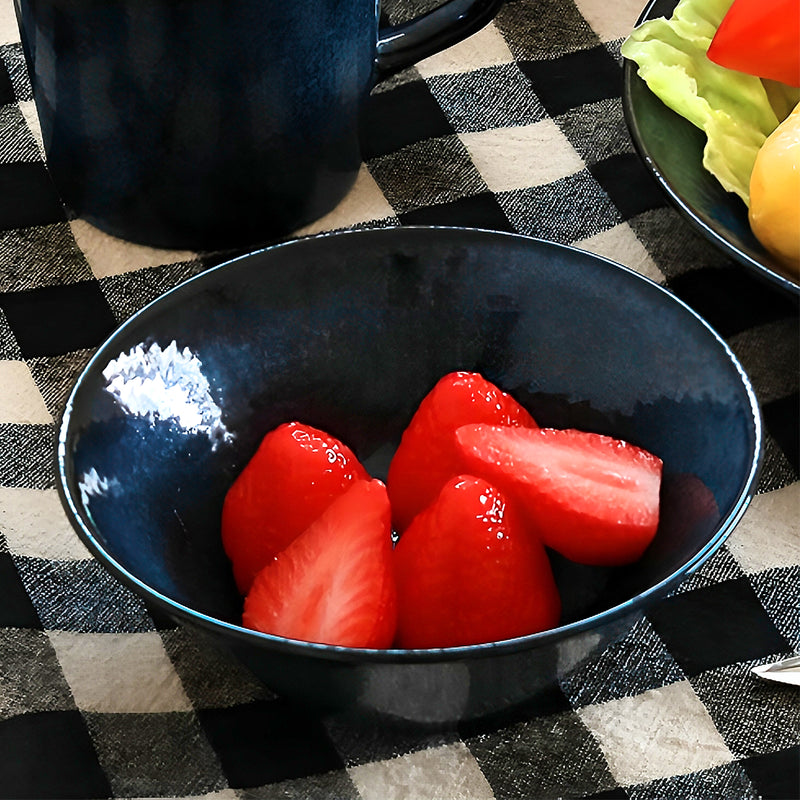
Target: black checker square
<point>492,97</point>
<point>82,596</point>
<point>148,755</point>
<point>700,631</point>
<point>545,757</point>
<point>29,455</point>
<point>28,196</point>
<point>31,678</point>
<point>435,171</point>
<point>128,293</point>
<point>597,131</point>
<point>16,609</point>
<point>18,142</point>
<point>335,785</point>
<point>542,29</point>
<point>43,256</point>
<point>9,348</point>
<point>412,102</point>
<point>780,419</point>
<point>732,300</point>
<point>726,782</point>
<point>52,320</point>
<point>776,471</point>
<point>675,246</point>
<point>565,211</point>
<point>210,677</point>
<point>49,755</point>
<point>476,211</point>
<point>268,742</point>
<point>733,693</point>
<point>637,663</point>
<point>13,58</point>
<point>358,743</point>
<point>628,184</point>
<point>778,589</point>
<point>575,79</point>
<point>776,776</point>
<point>7,94</point>
<point>55,376</point>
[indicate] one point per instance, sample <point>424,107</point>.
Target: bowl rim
<point>763,267</point>
<point>269,642</point>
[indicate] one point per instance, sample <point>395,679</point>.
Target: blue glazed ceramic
<point>348,332</point>
<point>210,124</point>
<point>672,149</point>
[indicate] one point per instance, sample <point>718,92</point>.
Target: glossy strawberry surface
<point>292,478</point>
<point>468,572</point>
<point>427,457</point>
<point>334,583</point>
<point>590,497</point>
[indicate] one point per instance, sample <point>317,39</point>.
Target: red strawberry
<point>293,477</point>
<point>427,457</point>
<point>592,498</point>
<point>334,583</point>
<point>468,572</point>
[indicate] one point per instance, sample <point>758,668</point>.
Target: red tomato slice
<point>760,38</point>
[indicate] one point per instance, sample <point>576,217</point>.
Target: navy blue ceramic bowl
<point>348,332</point>
<point>672,149</point>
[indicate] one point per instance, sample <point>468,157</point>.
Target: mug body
<point>200,124</point>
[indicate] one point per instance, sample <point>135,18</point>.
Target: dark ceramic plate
<point>672,148</point>
<point>348,332</point>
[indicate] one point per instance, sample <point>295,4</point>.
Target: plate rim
<point>713,233</point>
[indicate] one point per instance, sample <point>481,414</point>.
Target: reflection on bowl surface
<point>348,332</point>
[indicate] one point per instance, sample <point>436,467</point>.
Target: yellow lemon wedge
<point>775,193</point>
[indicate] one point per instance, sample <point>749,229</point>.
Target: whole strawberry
<point>468,571</point>
<point>427,456</point>
<point>293,477</point>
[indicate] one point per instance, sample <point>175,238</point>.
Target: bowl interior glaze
<point>348,332</point>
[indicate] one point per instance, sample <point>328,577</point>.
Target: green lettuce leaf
<point>732,108</point>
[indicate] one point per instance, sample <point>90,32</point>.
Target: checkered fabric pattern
<point>519,128</point>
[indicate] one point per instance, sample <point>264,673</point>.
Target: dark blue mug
<point>212,124</point>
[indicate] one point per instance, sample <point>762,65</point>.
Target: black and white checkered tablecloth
<point>519,128</point>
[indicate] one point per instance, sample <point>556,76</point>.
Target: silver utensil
<point>787,670</point>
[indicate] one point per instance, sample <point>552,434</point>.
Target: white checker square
<point>450,771</point>
<point>364,202</point>
<point>522,157</point>
<point>20,400</point>
<point>621,244</point>
<point>486,48</point>
<point>119,673</point>
<point>610,21</point>
<point>9,32</point>
<point>768,535</point>
<point>28,110</point>
<point>107,255</point>
<point>35,525</point>
<point>657,734</point>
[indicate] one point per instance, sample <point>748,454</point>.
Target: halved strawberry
<point>334,583</point>
<point>293,477</point>
<point>427,458</point>
<point>590,497</point>
<point>468,572</point>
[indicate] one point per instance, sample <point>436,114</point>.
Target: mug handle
<point>400,46</point>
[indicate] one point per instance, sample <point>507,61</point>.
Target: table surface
<point>519,128</point>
